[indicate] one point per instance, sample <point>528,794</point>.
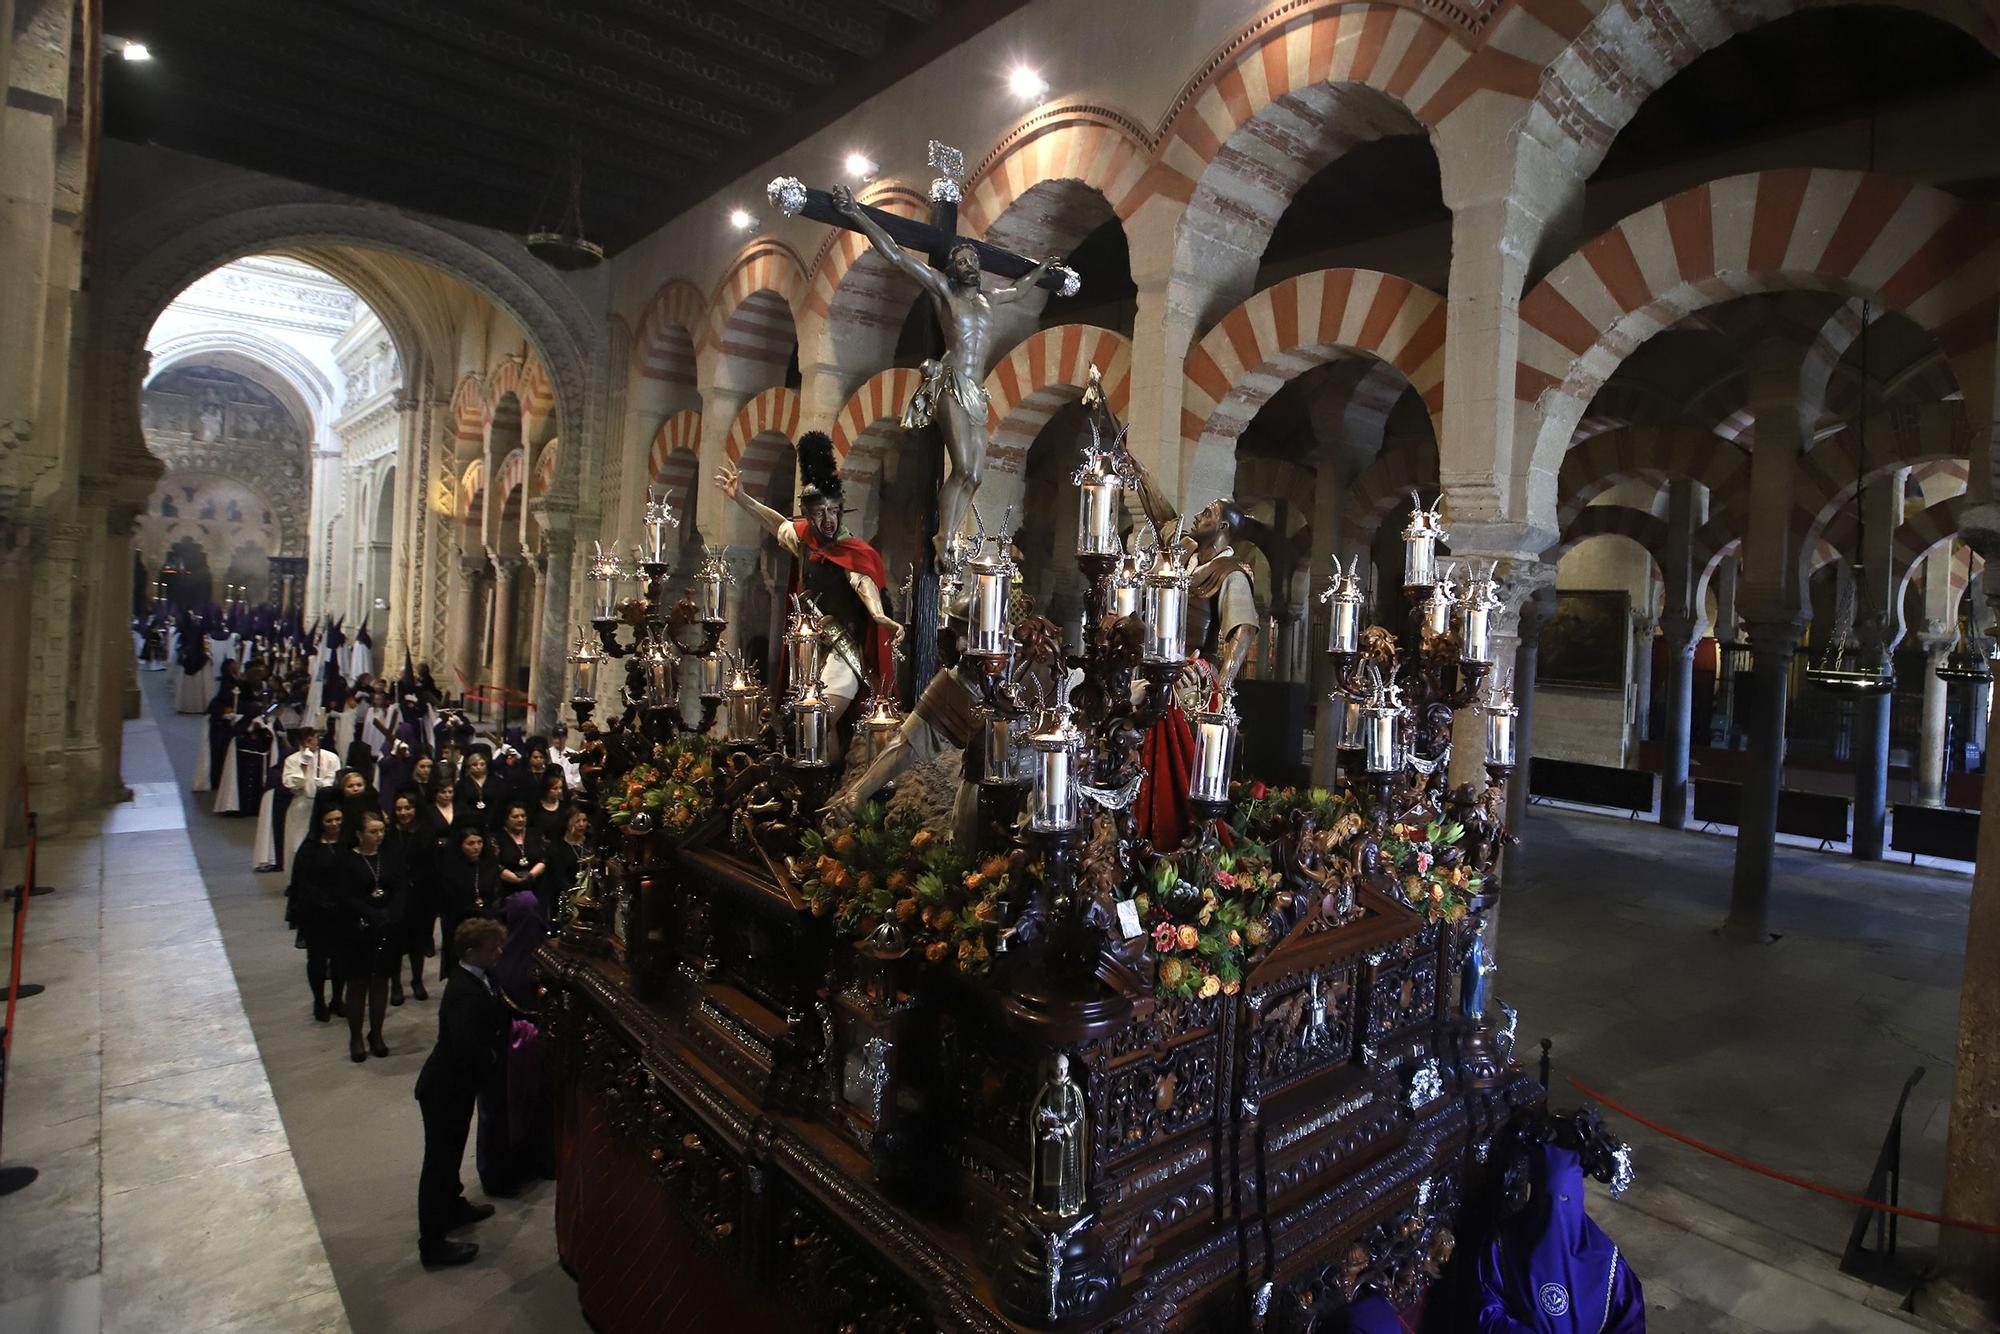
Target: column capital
<point>471,565</point>
<point>1774,635</point>
<point>1679,629</point>
<point>507,566</point>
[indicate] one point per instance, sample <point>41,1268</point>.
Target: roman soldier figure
<point>836,573</point>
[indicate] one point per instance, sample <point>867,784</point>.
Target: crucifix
<point>951,395</point>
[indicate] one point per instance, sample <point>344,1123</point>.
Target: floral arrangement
<point>889,868</point>
<point>1205,921</point>
<point>1263,813</point>
<point>1430,867</point>
<point>677,787</point>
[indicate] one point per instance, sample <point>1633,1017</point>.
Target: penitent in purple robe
<point>1553,1271</point>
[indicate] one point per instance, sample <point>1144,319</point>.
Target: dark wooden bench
<point>1628,790</point>
<point>1817,815</point>
<point>1935,831</point>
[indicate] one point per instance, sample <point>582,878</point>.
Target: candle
<point>1420,542</point>
<point>712,674</point>
<point>802,648</point>
<point>659,663</point>
<point>809,722</point>
<point>604,572</point>
<point>1163,604</point>
<point>1100,492</point>
<point>1380,747</point>
<point>746,703</point>
<point>708,582</point>
<point>1003,747</point>
<point>879,725</point>
<point>1214,751</point>
<point>1125,589</point>
<point>1347,723</point>
<point>1439,605</point>
<point>989,593</point>
<point>1501,717</point>
<point>1343,599</point>
<point>1052,799</point>
<point>585,659</point>
<point>1475,626</point>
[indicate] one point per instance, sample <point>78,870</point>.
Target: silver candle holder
<point>1100,502</point>
<point>1381,729</point>
<point>1475,619</point>
<point>989,585</point>
<point>810,720</point>
<point>802,647</point>
<point>743,698</point>
<point>709,582</point>
<point>1163,593</point>
<point>1502,727</point>
<point>1442,602</point>
<point>880,723</point>
<point>660,668</point>
<point>1214,751</point>
<point>1343,606</point>
<point>659,517</point>
<point>605,571</point>
<point>1052,791</point>
<point>1421,537</point>
<point>1125,588</point>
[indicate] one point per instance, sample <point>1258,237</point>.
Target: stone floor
<point>213,1161</point>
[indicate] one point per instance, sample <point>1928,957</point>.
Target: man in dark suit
<point>472,1034</point>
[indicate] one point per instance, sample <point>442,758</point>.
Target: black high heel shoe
<point>376,1046</point>
<point>320,1013</point>
<point>396,991</point>
<point>356,1052</point>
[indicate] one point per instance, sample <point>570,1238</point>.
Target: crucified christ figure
<point>951,389</point>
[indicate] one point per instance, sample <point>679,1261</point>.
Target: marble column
<point>505,570</point>
<point>1644,628</point>
<point>1871,776</point>
<point>546,690</point>
<point>538,571</point>
<point>1677,740</point>
<point>464,627</point>
<point>1536,612</point>
<point>1972,1148</point>
<point>1773,640</point>
<point>1937,643</point>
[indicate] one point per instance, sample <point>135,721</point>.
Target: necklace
<point>374,865</point>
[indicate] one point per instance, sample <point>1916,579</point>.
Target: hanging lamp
<point>1842,671</point>
<point>564,246</point>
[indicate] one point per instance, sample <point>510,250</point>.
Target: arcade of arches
<point>1686,309</point>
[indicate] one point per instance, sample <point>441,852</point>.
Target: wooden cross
<point>936,238</point>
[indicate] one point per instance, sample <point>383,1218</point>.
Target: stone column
<point>1871,776</point>
<point>465,620</point>
<point>505,570</point>
<point>1972,1148</point>
<point>1679,631</point>
<point>546,688</point>
<point>1937,643</point>
<point>1773,640</point>
<point>1537,609</point>
<point>1644,627</point>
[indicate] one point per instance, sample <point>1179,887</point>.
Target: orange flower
<point>1189,937</point>
<point>905,909</point>
<point>937,951</point>
<point>1210,985</point>
<point>921,839</point>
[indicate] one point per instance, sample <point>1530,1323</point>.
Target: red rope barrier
<point>1736,1160</point>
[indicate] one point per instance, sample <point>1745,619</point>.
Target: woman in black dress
<point>310,908</point>
<point>549,815</point>
<point>518,851</point>
<point>565,857</point>
<point>371,890</point>
<point>479,793</point>
<point>468,884</point>
<point>413,847</point>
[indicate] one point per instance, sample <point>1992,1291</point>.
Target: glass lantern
<point>745,699</point>
<point>659,517</point>
<point>708,584</point>
<point>1343,606</point>
<point>1099,503</point>
<point>880,722</point>
<point>1502,721</point>
<point>1440,604</point>
<point>1381,735</point>
<point>1214,752</point>
<point>1475,620</point>
<point>1420,543</point>
<point>1125,588</point>
<point>714,676</point>
<point>605,572</point>
<point>585,659</point>
<point>989,586</point>
<point>802,648</point>
<point>1163,594</point>
<point>810,717</point>
<point>660,666</point>
<point>1054,750</point>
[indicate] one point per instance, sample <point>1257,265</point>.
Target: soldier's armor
<point>827,585</point>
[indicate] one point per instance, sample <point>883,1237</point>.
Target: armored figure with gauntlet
<point>834,573</point>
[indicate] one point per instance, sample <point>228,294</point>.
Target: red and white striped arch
<point>472,492</point>
<point>680,433</point>
<point>1029,193</point>
<point>468,414</point>
<point>854,290</point>
<point>1824,477</point>
<point>1911,247</point>
<point>774,410</point>
<point>663,341</point>
<point>507,377</point>
<point>882,398</point>
<point>1281,61</point>
<point>1608,62</point>
<point>1304,322</point>
<point>1385,485</point>
<point>1647,529</point>
<point>538,403</point>
<point>1043,373</point>
<point>545,468</point>
<point>1601,462</point>
<point>509,474</point>
<point>751,319</point>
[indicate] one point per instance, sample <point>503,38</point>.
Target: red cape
<point>856,557</point>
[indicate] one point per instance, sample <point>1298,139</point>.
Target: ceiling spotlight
<point>859,167</point>
<point>127,49</point>
<point>742,219</point>
<point>1027,84</point>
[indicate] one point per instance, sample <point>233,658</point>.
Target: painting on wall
<point>1585,645</point>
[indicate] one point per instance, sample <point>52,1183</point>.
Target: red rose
<point>1257,791</point>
